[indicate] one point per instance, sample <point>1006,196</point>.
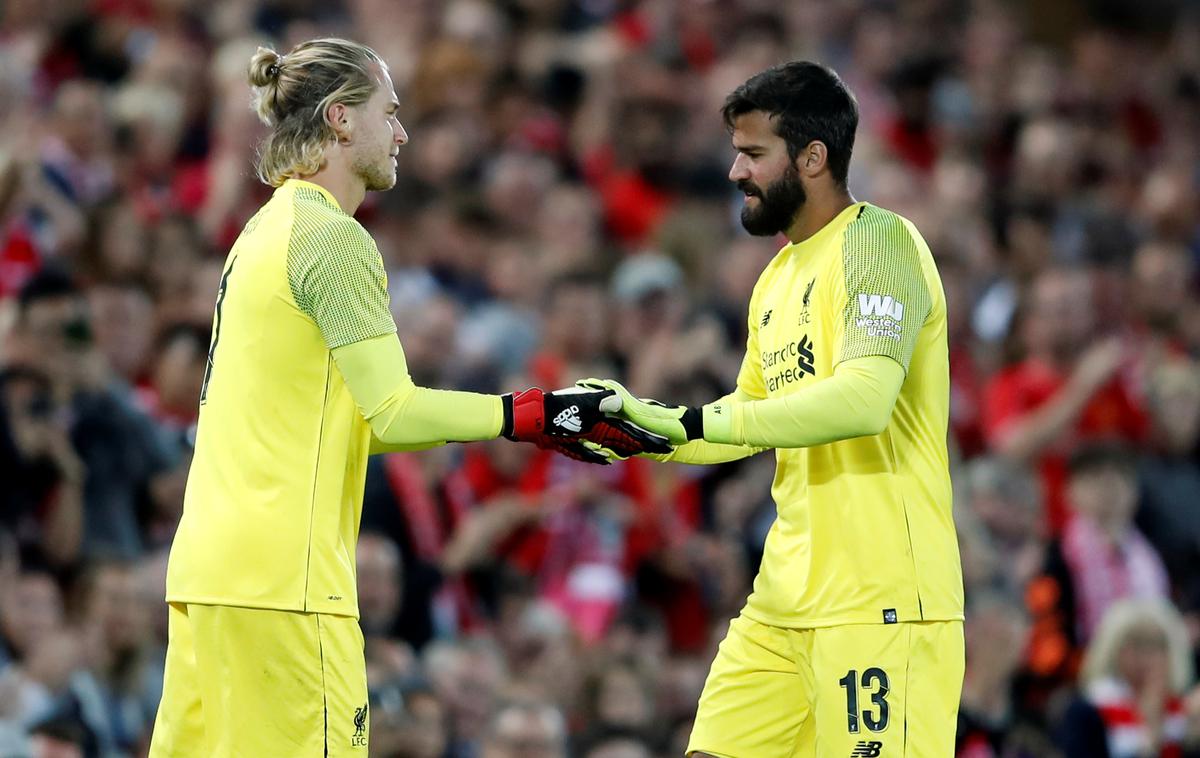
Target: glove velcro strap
<point>524,414</point>
<point>693,423</point>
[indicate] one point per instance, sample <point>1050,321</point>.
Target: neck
<point>821,207</point>
<point>335,176</point>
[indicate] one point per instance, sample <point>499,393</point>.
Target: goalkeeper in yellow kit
<point>305,378</point>
<point>851,644</point>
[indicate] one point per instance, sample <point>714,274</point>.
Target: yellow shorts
<point>855,691</point>
<point>260,683</point>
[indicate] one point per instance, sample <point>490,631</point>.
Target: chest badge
<point>805,317</point>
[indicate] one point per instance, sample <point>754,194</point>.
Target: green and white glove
<point>678,423</point>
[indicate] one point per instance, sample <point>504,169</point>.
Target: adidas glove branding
<point>574,422</point>
<point>569,419</point>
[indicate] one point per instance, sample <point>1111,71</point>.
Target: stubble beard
<point>377,174</point>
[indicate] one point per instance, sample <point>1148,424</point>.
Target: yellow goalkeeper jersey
<point>864,532</point>
<point>274,495</point>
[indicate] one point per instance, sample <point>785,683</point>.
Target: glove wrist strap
<point>506,426</point>
<point>693,423</point>
<point>524,415</point>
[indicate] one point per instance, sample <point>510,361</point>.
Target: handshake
<point>597,421</point>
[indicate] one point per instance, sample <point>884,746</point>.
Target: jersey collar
<point>836,224</point>
<point>301,183</point>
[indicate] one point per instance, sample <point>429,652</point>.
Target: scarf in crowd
<point>1103,572</point>
<point>1123,723</point>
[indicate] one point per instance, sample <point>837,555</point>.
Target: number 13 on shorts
<point>887,691</point>
<point>853,691</point>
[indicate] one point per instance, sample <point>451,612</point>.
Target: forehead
<point>385,90</point>
<point>754,127</point>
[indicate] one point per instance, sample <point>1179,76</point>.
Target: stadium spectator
<point>42,501</point>
<point>1169,476</point>
<point>1005,501</point>
<point>992,719</point>
<point>121,449</point>
<point>617,745</point>
<point>122,658</point>
<point>528,729</point>
<point>1065,391</point>
<point>1135,673</point>
<point>1100,559</point>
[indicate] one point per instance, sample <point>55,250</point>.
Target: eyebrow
<point>748,148</point>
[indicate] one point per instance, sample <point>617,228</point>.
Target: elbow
<point>387,421</point>
<point>874,421</point>
<point>380,436</point>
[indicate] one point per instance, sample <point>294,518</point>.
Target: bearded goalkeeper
<point>851,643</point>
<point>305,377</point>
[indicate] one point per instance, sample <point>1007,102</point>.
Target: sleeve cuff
<point>719,421</point>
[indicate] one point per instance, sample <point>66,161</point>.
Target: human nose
<point>740,170</point>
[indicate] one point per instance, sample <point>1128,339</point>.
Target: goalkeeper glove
<point>678,423</point>
<point>573,422</point>
<point>583,449</point>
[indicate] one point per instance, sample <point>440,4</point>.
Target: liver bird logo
<point>360,720</point>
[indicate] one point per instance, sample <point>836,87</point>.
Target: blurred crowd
<point>562,211</point>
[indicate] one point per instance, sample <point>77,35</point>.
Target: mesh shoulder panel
<point>336,273</point>
<point>887,298</point>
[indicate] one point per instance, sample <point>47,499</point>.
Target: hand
<point>613,439</point>
<point>573,422</point>
<point>573,412</point>
<point>677,423</point>
<point>1098,364</point>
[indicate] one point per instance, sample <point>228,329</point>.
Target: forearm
<point>401,413</point>
<point>475,540</point>
<point>856,401</point>
<point>378,446</point>
<point>64,527</point>
<point>1027,437</point>
<point>703,452</point>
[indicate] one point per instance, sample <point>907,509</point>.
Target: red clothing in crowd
<point>1015,392</point>
<point>582,561</point>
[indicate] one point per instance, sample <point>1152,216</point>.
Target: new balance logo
<point>766,318</point>
<point>569,419</point>
<point>880,305</point>
<point>866,749</point>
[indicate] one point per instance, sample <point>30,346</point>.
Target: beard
<point>377,174</point>
<point>777,206</point>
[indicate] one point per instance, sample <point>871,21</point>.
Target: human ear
<point>339,119</point>
<point>813,158</point>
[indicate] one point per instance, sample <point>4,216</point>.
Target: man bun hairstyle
<point>808,102</point>
<point>292,94</point>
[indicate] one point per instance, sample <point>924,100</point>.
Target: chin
<point>381,183</point>
<point>754,226</point>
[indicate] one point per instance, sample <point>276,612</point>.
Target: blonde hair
<point>1123,617</point>
<point>292,95</point>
